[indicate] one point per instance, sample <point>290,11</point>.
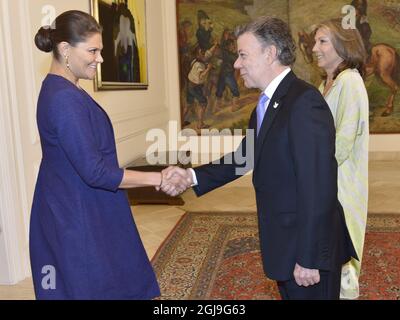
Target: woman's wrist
<point>154,179</point>
<point>161,180</point>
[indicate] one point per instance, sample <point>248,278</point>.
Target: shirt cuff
<point>194,178</point>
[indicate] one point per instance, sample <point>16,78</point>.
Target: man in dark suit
<point>303,236</point>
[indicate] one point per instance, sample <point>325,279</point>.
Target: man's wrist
<point>194,178</point>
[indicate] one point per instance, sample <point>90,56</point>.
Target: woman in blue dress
<point>83,240</point>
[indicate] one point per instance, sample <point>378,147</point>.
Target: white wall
<point>385,147</point>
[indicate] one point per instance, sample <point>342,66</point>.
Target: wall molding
<point>171,63</point>
<point>15,259</point>
<point>29,67</point>
<point>136,114</point>
<point>384,156</point>
<point>131,136</point>
<point>15,99</point>
<point>148,124</point>
<point>28,100</point>
<point>137,133</point>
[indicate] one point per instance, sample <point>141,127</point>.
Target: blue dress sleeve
<point>70,118</point>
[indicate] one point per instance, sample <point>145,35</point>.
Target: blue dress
<point>84,243</point>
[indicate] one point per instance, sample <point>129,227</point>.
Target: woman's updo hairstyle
<point>71,26</point>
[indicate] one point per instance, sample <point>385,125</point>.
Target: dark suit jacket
<point>295,180</point>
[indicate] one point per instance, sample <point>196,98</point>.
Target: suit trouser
<point>327,289</point>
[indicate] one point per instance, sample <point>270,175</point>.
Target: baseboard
<point>384,156</point>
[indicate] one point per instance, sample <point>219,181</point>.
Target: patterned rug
<point>216,256</point>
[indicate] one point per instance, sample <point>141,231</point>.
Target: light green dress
<point>348,101</point>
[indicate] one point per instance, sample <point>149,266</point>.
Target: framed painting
<point>212,94</point>
<point>124,40</point>
<point>379,24</point>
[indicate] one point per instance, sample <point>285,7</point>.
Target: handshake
<point>175,180</point>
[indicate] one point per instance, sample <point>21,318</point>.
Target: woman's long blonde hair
<point>348,45</point>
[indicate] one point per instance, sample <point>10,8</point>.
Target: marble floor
<point>156,222</point>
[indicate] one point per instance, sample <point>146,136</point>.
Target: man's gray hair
<point>272,31</point>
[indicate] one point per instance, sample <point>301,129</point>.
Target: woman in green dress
<point>341,55</point>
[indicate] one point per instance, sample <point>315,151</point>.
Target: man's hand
<point>306,277</point>
<point>175,180</point>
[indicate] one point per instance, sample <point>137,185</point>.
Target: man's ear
<point>271,53</point>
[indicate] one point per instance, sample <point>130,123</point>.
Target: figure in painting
<point>184,34</point>
<point>204,31</point>
<point>199,70</point>
<point>362,23</point>
<point>126,46</point>
<point>227,74</point>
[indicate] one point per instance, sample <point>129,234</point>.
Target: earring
<point>67,62</point>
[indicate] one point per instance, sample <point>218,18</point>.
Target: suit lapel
<point>253,120</point>
<point>273,109</point>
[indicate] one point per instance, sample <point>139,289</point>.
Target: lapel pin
<point>276,105</point>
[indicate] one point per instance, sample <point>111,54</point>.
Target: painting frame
<point>125,65</point>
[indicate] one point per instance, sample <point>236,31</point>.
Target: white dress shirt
<point>270,90</point>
